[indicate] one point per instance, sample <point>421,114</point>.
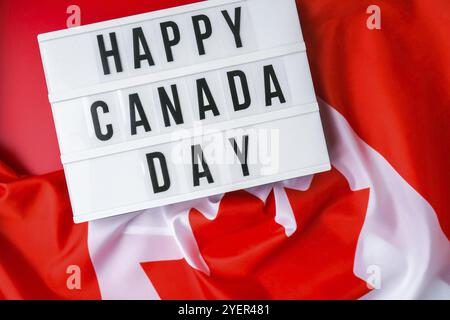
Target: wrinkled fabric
<point>39,241</point>
<point>390,84</point>
<point>385,107</point>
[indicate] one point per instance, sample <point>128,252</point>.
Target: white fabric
<point>401,236</point>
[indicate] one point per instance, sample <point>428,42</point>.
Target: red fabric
<point>27,133</point>
<point>39,241</point>
<point>250,257</point>
<point>390,84</point>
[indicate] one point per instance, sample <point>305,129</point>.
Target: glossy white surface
<point>111,176</point>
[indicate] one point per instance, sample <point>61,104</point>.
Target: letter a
<point>374,21</point>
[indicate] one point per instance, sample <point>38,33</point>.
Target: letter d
<point>157,187</point>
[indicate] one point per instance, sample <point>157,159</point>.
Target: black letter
<point>270,76</point>
<point>167,105</point>
<point>199,36</point>
<point>94,113</point>
<point>235,26</point>
<point>168,44</point>
<point>197,154</point>
<point>232,83</point>
<point>242,154</point>
<point>104,54</point>
<point>165,173</point>
<point>202,87</point>
<point>135,104</point>
<point>139,38</point>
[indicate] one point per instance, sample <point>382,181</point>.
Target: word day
<point>240,153</point>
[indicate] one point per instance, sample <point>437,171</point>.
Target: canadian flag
<point>374,227</point>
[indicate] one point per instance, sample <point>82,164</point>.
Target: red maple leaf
<point>250,257</point>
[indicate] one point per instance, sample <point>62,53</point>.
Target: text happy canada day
<point>168,97</point>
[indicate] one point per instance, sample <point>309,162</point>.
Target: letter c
<point>95,119</point>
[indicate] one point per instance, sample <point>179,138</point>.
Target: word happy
<point>171,37</point>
